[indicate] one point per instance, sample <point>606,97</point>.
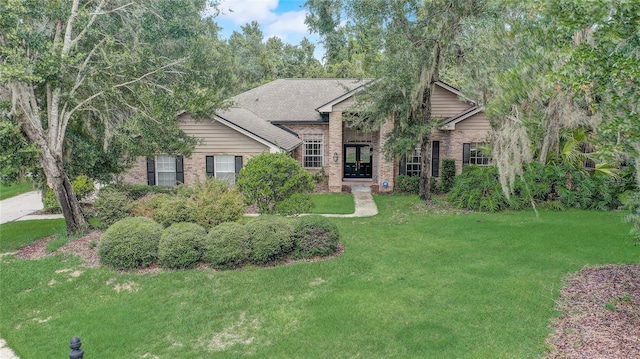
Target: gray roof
<point>257,126</point>
<point>294,100</point>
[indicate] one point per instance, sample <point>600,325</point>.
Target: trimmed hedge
<point>227,245</point>
<point>130,243</point>
<point>270,238</point>
<point>181,245</point>
<point>315,236</point>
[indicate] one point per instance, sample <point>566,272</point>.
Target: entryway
<point>358,161</point>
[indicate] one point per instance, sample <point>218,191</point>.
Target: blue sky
<point>281,18</point>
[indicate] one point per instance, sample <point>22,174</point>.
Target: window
<point>472,154</point>
<point>313,151</point>
<point>413,164</point>
<point>224,167</point>
<point>165,170</point>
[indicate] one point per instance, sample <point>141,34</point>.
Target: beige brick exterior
<point>335,148</point>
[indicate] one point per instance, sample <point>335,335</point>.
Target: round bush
<point>111,206</point>
<point>214,202</point>
<point>270,238</point>
<point>226,245</point>
<point>130,243</point>
<point>315,236</point>
<point>171,209</point>
<point>181,245</point>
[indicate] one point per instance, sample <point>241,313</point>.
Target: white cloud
<point>245,11</point>
<point>287,24</point>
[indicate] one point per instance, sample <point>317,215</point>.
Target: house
<point>304,117</point>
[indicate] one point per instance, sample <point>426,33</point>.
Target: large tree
<point>404,45</point>
<point>125,68</point>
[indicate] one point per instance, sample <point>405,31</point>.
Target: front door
<point>357,161</point>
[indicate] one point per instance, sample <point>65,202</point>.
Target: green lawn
<point>410,284</point>
<point>336,203</point>
<point>14,189</point>
<point>14,235</point>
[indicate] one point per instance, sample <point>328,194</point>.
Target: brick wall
<point>334,169</point>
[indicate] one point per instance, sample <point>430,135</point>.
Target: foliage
<point>561,186</point>
<point>295,204</point>
<point>632,203</point>
<point>207,203</point>
<point>408,184</point>
<point>270,239</point>
<point>18,157</point>
<point>130,243</point>
<point>227,245</point>
<point>82,186</point>
<point>315,236</point>
<point>448,174</point>
<point>111,206</point>
<point>181,245</point>
<point>111,72</point>
<point>271,178</point>
<point>477,188</point>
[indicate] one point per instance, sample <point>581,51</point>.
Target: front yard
<point>410,284</point>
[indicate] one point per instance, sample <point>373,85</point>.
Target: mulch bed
<point>601,317</point>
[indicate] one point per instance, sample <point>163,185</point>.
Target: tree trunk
<point>432,75</point>
<point>59,182</point>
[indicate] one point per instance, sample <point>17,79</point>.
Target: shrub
<point>172,209</point>
<point>271,178</point>
<point>130,243</point>
<point>226,245</point>
<point>478,188</point>
<point>181,245</point>
<point>111,206</point>
<point>145,206</point>
<point>270,238</point>
<point>632,203</point>
<point>315,236</point>
<point>214,202</point>
<point>448,174</point>
<point>296,203</point>
<point>408,184</point>
<point>137,191</point>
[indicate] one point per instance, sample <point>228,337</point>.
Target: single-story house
<point>304,117</point>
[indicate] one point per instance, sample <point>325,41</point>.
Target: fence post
<point>76,352</point>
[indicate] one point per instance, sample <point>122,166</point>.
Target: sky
<point>281,18</point>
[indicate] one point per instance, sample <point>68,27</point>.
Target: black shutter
<point>435,158</point>
<point>179,169</point>
<point>466,153</point>
<point>238,164</point>
<point>403,165</point>
<point>151,171</point>
<point>210,166</point>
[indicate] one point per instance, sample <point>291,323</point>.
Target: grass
<point>410,284</point>
<point>14,189</point>
<point>14,235</point>
<point>337,203</point>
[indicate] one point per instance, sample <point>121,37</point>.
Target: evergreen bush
<point>447,175</point>
<point>270,178</point>
<point>315,236</point>
<point>408,184</point>
<point>227,245</point>
<point>111,206</point>
<point>181,245</point>
<point>270,239</point>
<point>130,243</point>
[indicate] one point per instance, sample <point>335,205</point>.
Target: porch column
<point>335,148</point>
<point>387,167</point>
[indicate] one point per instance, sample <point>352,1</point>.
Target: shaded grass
<point>14,235</point>
<point>14,189</point>
<point>335,203</point>
<point>410,284</point>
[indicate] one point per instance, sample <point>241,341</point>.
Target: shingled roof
<point>248,121</point>
<point>294,100</point>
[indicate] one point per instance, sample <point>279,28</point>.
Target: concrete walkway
<point>365,206</point>
<point>6,352</point>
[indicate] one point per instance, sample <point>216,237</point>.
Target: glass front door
<point>358,161</point>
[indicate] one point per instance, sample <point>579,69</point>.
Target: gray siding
<point>219,138</point>
<point>447,104</point>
